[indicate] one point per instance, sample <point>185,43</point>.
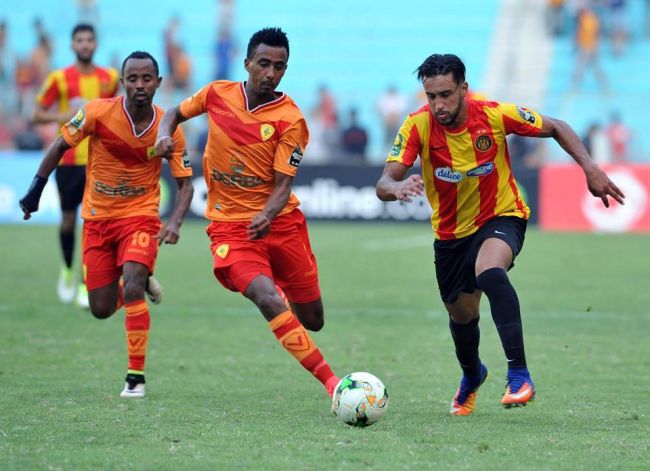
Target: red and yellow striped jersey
<point>466,171</point>
<point>69,88</point>
<point>245,147</point>
<point>123,172</point>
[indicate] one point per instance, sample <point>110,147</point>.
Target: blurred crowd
<point>337,131</point>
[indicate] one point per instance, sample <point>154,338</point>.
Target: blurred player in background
<point>479,214</point>
<point>258,235</point>
<point>122,228</point>
<point>65,92</point>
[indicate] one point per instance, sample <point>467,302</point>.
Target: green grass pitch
<point>222,394</point>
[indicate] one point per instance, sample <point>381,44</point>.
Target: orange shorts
<point>108,244</point>
<point>284,255</point>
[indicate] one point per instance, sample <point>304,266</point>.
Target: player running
<point>479,214</point>
<point>64,92</point>
<point>122,228</point>
<point>258,235</point>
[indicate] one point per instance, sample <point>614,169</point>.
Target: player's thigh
<point>99,255</point>
<point>498,243</point>
<point>137,240</point>
<point>103,300</point>
<point>454,268</point>
<point>237,261</point>
<point>292,260</point>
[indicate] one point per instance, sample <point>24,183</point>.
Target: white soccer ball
<point>360,399</point>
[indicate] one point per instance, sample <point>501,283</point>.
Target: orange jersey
<point>68,88</point>
<point>123,173</point>
<point>245,147</point>
<point>466,171</point>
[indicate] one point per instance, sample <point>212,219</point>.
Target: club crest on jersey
<point>151,152</point>
<point>296,156</point>
<point>485,169</point>
<point>526,115</point>
<point>483,142</point>
<point>77,121</point>
<point>397,145</point>
<point>448,175</point>
<point>222,250</point>
<point>267,131</point>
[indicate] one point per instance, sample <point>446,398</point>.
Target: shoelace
<point>515,383</point>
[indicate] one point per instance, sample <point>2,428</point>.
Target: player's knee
<point>315,324</point>
<point>102,310</point>
<point>134,288</point>
<point>492,278</point>
<point>269,303</point>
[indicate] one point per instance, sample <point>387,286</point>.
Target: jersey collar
<point>242,86</point>
<point>128,116</point>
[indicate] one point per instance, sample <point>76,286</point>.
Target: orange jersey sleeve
<point>81,125</point>
<point>179,162</point>
<point>291,147</point>
<point>520,120</point>
<point>195,105</point>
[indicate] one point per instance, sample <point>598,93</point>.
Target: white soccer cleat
<point>65,288</point>
<point>133,386</point>
<point>82,297</point>
<point>154,290</point>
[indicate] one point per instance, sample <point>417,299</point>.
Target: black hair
<point>442,64</point>
<point>271,37</point>
<point>141,55</point>
<point>83,27</point>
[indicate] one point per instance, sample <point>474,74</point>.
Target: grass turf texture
<point>222,394</point>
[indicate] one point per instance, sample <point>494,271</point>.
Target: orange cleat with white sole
<point>520,389</point>
<point>465,399</point>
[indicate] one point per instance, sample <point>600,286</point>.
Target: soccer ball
<point>360,399</point>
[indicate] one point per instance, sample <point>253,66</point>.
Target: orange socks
<point>137,322</point>
<point>295,339</point>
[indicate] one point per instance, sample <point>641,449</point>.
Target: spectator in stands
<point>555,17</point>
<point>88,13</point>
<point>354,140</point>
<point>42,53</point>
<point>596,143</point>
<point>391,106</point>
<point>619,135</point>
<point>618,25</point>
<point>323,127</point>
<point>6,69</point>
<point>225,52</point>
<point>587,43</point>
<point>182,69</point>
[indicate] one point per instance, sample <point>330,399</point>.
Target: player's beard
<point>85,60</point>
<point>452,117</point>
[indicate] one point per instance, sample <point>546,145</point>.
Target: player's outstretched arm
<point>598,182</point>
<point>261,224</point>
<point>29,202</point>
<point>392,185</point>
<point>170,233</point>
<point>166,129</point>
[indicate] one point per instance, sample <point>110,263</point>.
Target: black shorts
<point>456,259</point>
<point>71,180</point>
